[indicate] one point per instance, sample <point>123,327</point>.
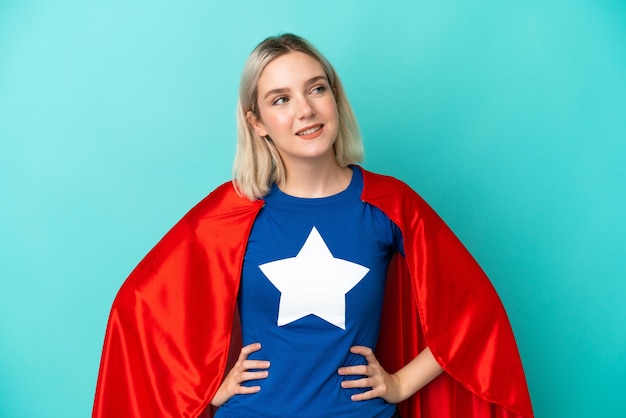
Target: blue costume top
<point>312,286</point>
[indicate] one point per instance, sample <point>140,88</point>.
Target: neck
<point>316,179</point>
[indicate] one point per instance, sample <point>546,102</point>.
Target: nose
<point>305,108</point>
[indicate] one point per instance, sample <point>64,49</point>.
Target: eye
<point>280,100</point>
<point>318,89</point>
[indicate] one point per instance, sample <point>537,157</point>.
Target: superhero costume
<point>312,286</point>
<point>173,322</point>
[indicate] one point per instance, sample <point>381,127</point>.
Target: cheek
<point>331,107</point>
<point>278,122</point>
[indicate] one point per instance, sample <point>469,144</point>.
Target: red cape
<point>171,326</point>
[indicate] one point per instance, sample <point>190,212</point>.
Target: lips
<point>309,130</point>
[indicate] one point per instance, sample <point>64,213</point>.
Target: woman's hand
<point>239,373</point>
<point>393,388</point>
<point>382,384</point>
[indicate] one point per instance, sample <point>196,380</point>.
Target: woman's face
<point>297,109</point>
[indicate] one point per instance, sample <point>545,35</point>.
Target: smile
<point>309,131</point>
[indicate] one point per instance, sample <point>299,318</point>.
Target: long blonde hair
<point>257,162</point>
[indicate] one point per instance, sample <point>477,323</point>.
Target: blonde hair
<point>257,162</point>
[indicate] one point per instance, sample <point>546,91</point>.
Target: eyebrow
<point>285,89</point>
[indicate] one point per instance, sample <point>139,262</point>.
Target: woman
<point>302,245</point>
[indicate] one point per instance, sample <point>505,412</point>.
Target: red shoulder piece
<point>439,297</point>
<point>167,339</point>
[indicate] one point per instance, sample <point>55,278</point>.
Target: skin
<point>298,113</point>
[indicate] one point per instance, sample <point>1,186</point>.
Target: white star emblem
<point>313,282</point>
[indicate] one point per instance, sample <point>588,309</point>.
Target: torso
<point>312,286</point>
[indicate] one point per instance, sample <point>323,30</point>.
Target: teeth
<point>310,131</point>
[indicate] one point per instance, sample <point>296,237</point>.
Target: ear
<point>256,124</point>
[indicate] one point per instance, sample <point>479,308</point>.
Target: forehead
<point>289,70</point>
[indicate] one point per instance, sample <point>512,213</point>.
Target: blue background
<point>509,117</point>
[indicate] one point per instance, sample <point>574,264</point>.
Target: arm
<point>393,388</point>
